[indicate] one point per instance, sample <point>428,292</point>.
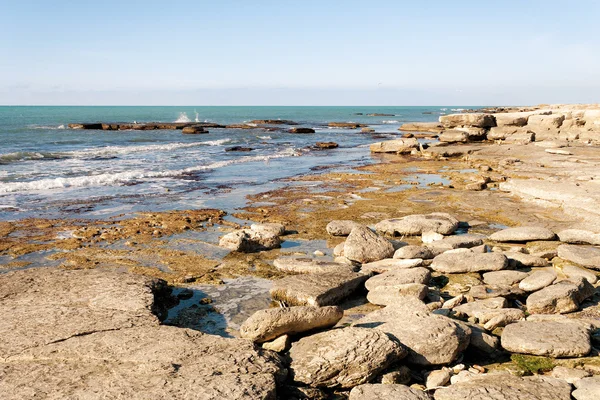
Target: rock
<point>506,387</point>
<point>504,277</point>
<point>538,280</point>
<point>459,263</point>
<point>441,223</point>
<point>456,242</point>
<point>414,252</point>
<point>248,241</point>
<point>307,265</point>
<point>364,246</point>
<point>342,358</point>
<point>289,392</point>
<point>476,186</point>
<point>399,277</point>
<point>512,119</point>
<point>269,228</point>
<point>573,272</point>
<point>273,122</point>
<point>431,236</point>
<point>431,339</point>
<point>544,123</point>
<point>265,325</point>
<point>523,234</point>
<point>483,342</point>
<point>587,388</point>
<point>477,120</point>
<point>69,334</point>
<point>586,256</point>
<point>506,132</point>
<point>326,145</point>
<point>570,375</point>
<point>579,236</point>
<point>341,227</point>
<point>316,289</point>
<point>487,291</point>
<point>473,134</point>
<point>543,249</point>
<point>193,130</point>
<point>434,127</point>
<point>401,375</point>
<point>482,310</point>
<point>520,260</point>
<point>390,264</point>
<point>367,130</point>
<point>454,136</point>
<point>238,148</point>
<point>559,152</point>
<point>405,145</point>
<point>379,391</point>
<point>453,302</point>
<point>435,379</point>
<point>301,130</point>
<point>392,294</point>
<point>547,338</point>
<point>562,297</point>
<point>279,345</point>
<point>346,125</point>
<point>504,317</point>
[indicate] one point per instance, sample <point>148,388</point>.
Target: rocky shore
<point>464,266</point>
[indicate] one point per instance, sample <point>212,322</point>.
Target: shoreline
<point>487,184</point>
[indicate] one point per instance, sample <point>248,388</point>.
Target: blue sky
<point>299,53</point>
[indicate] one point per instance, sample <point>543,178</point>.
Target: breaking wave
<point>391,121</point>
<point>183,118</point>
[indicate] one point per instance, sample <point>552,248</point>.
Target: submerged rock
<point>364,246</point>
<point>342,358</point>
<point>441,223</point>
<point>265,325</point>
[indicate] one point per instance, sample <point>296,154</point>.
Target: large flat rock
<point>547,338</point>
<point>307,265</point>
<point>378,391</point>
<point>365,246</point>
<point>588,256</point>
<point>399,277</point>
<point>523,234</point>
<point>562,297</point>
<point>317,289</point>
<point>92,334</point>
<point>460,263</point>
<point>442,223</point>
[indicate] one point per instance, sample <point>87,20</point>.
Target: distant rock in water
<point>193,130</point>
<point>302,130</point>
<point>273,122</point>
<point>380,115</point>
<point>347,125</point>
<point>326,145</point>
<point>239,148</point>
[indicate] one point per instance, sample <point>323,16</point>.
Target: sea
<point>50,171</point>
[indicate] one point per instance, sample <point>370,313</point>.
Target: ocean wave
<point>391,121</point>
<point>183,118</point>
<point>103,151</point>
<point>264,137</point>
<point>119,178</point>
<point>47,127</point>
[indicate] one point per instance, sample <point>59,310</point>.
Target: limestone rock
<point>474,120</point>
<point>573,272</point>
<point>307,265</point>
<point>441,223</point>
<point>482,310</point>
<point>579,236</point>
<point>544,249</point>
<point>523,234</point>
<point>506,387</point>
<point>437,378</point>
<point>279,345</point>
<point>504,317</point>
<point>269,228</point>
<point>587,388</point>
<point>342,358</point>
<point>431,236</point>
<point>562,297</point>
<point>379,391</point>
<point>392,294</point>
<point>265,325</point>
<point>454,136</point>
<point>364,246</point>
<point>431,339</point>
<point>434,127</point>
<point>395,146</point>
<point>399,277</point>
<point>570,375</point>
<point>317,289</point>
<point>341,227</point>
<point>401,375</point>
<point>521,260</point>
<point>390,264</point>
<point>457,263</point>
<point>248,241</point>
<point>483,342</point>
<point>412,252</point>
<point>587,256</point>
<point>504,277</point>
<point>457,242</point>
<point>512,119</point>
<point>538,280</point>
<point>547,338</point>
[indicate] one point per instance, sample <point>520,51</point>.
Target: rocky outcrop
<point>265,325</point>
<point>395,146</point>
<point>442,223</point>
<point>477,120</point>
<point>342,358</point>
<point>433,127</point>
<point>399,277</point>
<point>364,246</point>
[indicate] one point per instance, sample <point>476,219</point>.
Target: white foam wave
<point>264,137</point>
<point>47,127</point>
<point>117,178</point>
<point>457,109</point>
<point>391,121</point>
<point>183,118</point>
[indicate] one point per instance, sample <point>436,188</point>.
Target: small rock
<point>269,228</point>
<point>414,252</point>
<point>453,302</point>
<point>587,388</point>
<point>400,375</point>
<point>279,345</point>
<point>538,280</point>
<point>248,241</point>
<point>431,236</point>
<point>326,145</point>
<point>437,378</point>
<point>307,265</point>
<point>504,277</point>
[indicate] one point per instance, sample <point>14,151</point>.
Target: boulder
<point>193,130</point>
<point>456,242</point>
<point>505,132</point>
<point>477,120</point>
<point>342,358</point>
<point>265,325</point>
<point>390,264</point>
<point>523,234</point>
<point>248,241</point>
<point>547,338</point>
<point>364,246</point>
<point>459,263</point>
<point>441,223</point>
<point>482,310</point>
<point>341,227</point>
<point>538,280</point>
<point>481,341</point>
<point>326,145</point>
<point>574,272</point>
<point>278,345</point>
<point>307,265</point>
<point>562,297</point>
<point>505,386</point>
<point>399,277</point>
<point>437,378</point>
<point>90,333</point>
<point>378,391</point>
<point>392,294</point>
<point>512,119</point>
<point>269,228</point>
<point>543,249</point>
<point>579,236</point>
<point>489,291</point>
<point>431,339</point>
<point>454,136</point>
<point>414,252</point>
<point>587,388</point>
<point>473,134</point>
<point>586,256</point>
<point>545,123</point>
<point>317,289</point>
<point>405,145</point>
<point>434,127</point>
<point>504,277</point>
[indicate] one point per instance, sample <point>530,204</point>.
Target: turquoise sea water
<point>48,170</point>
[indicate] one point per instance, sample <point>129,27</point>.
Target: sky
<point>228,52</point>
